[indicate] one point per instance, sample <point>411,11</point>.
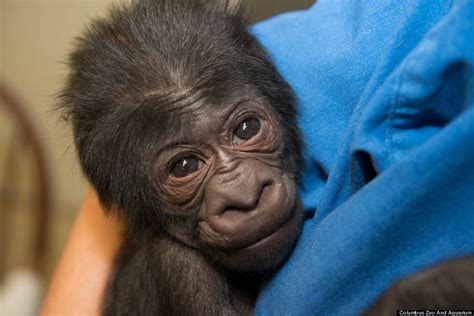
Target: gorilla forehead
<point>188,115</point>
<point>196,123</point>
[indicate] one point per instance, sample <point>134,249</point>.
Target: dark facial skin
<point>186,129</point>
<point>223,166</point>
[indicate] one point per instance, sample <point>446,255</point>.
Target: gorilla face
<point>221,169</point>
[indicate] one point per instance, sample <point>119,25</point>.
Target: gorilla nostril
<point>248,202</point>
<point>242,205</point>
<point>239,208</point>
<point>263,189</point>
<point>239,191</point>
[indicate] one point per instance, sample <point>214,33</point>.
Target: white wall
<point>35,36</point>
<point>1,37</point>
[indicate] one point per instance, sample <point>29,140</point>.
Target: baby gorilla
<point>185,128</point>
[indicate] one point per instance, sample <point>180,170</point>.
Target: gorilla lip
<point>271,237</point>
<point>271,251</point>
<point>277,234</point>
<point>275,237</point>
<point>271,214</point>
<point>285,222</point>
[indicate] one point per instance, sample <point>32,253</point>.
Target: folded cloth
<point>386,95</point>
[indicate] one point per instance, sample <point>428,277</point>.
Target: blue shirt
<point>386,95</point>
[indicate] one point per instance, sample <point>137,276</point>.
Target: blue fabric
<point>386,90</point>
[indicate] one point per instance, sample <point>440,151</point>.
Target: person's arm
<point>81,277</point>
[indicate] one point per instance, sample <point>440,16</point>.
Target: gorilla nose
<point>231,196</point>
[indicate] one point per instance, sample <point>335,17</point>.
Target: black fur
<point>159,49</point>
<point>445,286</point>
<point>145,57</point>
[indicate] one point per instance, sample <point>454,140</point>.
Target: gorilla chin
<point>267,254</point>
<point>265,234</point>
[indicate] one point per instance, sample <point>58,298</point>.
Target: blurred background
<point>41,185</point>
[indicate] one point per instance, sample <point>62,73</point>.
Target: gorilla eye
<point>185,166</point>
<point>246,130</point>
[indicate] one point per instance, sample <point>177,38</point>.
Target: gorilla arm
<point>160,276</point>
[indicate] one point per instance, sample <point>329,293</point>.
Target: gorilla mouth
<point>271,238</point>
<point>269,251</point>
<point>265,225</point>
<point>260,241</point>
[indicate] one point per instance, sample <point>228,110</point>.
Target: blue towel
<point>386,95</point>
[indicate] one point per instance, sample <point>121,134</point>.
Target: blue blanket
<point>386,91</point>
